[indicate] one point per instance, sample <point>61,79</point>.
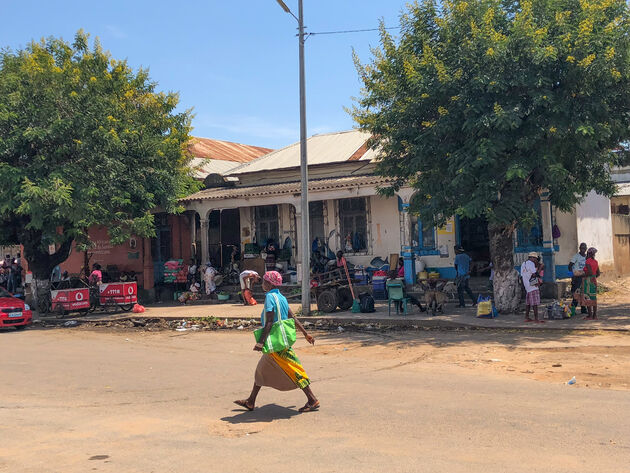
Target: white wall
<point>568,241</point>
<point>594,226</point>
<point>385,234</point>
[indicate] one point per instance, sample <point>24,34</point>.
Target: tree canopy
<point>84,140</point>
<point>483,104</point>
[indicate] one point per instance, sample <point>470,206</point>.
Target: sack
<point>366,302</point>
<point>485,308</point>
<point>282,334</point>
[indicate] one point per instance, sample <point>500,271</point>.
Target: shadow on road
<point>267,413</point>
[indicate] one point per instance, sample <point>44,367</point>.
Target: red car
<point>13,311</point>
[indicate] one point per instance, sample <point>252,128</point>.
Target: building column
<point>193,236</point>
<point>406,250</point>
<point>548,255</point>
<point>204,240</point>
<point>148,278</point>
<point>176,237</point>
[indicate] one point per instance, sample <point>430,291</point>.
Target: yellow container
<point>423,275</point>
<point>434,275</point>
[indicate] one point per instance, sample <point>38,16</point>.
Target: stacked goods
<point>175,271</point>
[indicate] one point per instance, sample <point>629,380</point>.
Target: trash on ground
<point>572,381</point>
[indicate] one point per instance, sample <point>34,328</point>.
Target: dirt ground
<point>597,359</point>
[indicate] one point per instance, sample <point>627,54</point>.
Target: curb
<point>413,324</point>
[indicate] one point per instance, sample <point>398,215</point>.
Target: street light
<point>306,264</point>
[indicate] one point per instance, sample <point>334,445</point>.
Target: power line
<point>352,31</point>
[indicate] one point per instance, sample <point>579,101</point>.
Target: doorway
<point>223,235</point>
<point>473,236</point>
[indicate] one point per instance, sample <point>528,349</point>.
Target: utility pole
<point>305,243</point>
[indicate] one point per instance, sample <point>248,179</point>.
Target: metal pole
<point>306,247</point>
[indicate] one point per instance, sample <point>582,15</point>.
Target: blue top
<point>462,261</point>
<point>270,306</point>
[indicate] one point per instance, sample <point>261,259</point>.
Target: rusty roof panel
<point>225,150</point>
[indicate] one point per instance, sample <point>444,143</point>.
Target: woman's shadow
<point>267,413</point>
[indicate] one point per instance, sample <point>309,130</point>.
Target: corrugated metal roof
<point>321,149</point>
<point>204,166</point>
<point>286,188</point>
<point>225,150</point>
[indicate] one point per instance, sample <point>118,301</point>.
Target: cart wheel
<point>43,304</point>
<point>327,301</point>
<point>126,307</point>
<point>59,311</point>
<point>344,297</point>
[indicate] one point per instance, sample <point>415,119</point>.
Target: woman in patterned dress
<point>280,370</point>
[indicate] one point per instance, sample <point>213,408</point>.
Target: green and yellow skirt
<point>588,296</point>
<point>282,371</point>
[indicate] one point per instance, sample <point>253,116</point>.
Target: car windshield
<point>4,293</point>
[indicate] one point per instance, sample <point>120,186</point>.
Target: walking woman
<point>589,284</point>
<point>282,370</point>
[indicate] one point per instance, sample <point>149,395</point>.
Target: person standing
<point>282,370</point>
<point>4,276</point>
<point>530,281</point>
<point>589,284</point>
<point>96,276</point>
<point>576,265</point>
<point>462,278</point>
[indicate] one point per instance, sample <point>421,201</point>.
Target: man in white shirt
<point>577,264</point>
<point>530,281</point>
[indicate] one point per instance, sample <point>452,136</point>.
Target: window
<point>422,236</point>
<point>161,243</point>
<point>532,237</point>
<point>316,221</point>
<point>353,223</point>
<point>266,218</point>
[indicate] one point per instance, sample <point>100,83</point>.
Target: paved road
<point>80,401</point>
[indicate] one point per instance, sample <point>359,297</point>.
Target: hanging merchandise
<point>555,232</point>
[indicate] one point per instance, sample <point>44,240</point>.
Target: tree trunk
<point>40,289</point>
<point>41,263</point>
<point>507,290</point>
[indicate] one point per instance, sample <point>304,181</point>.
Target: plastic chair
<point>396,293</point>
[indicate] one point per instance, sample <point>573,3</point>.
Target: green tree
<point>482,105</point>
<point>84,140</point>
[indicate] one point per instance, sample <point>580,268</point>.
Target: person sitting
<point>191,295</point>
<point>208,278</point>
<point>401,269</point>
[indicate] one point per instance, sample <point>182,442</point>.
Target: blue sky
<point>234,63</point>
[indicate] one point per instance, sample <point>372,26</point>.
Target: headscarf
<point>273,277</point>
<point>590,253</point>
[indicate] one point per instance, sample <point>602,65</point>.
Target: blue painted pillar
<point>548,253</point>
<point>406,250</point>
